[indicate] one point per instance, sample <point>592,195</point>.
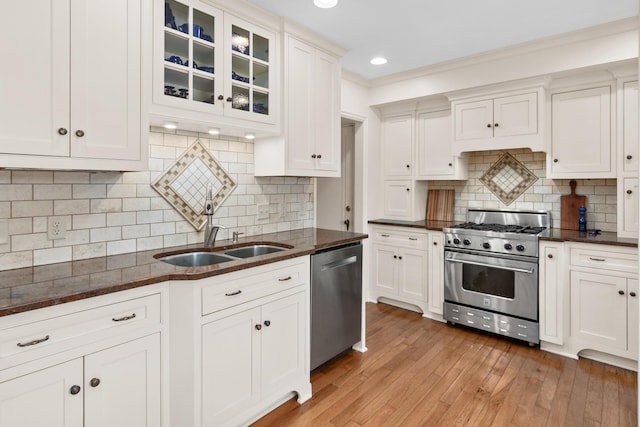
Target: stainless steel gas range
<point>491,272</point>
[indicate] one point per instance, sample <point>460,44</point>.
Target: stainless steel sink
<point>253,250</point>
<point>196,259</point>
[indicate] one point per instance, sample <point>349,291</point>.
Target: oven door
<point>501,284</point>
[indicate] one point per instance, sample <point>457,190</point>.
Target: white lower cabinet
<point>589,301</point>
<point>240,344</point>
<point>251,354</point>
<point>407,267</point>
<point>93,363</point>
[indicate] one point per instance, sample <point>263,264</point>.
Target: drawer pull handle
<point>284,279</point>
<point>384,235</point>
<point>597,259</point>
<point>486,317</point>
<point>34,342</point>
<point>522,335</point>
<point>125,318</point>
<point>522,326</point>
<point>504,331</point>
<point>230,294</point>
<point>413,238</point>
<point>455,318</point>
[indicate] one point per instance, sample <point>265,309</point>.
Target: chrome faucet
<point>235,236</point>
<point>211,229</point>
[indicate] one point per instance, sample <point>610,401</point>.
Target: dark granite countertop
<point>30,288</point>
<point>422,223</point>
<point>604,238</point>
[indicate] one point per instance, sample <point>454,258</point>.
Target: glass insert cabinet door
<point>249,89</point>
<point>192,46</point>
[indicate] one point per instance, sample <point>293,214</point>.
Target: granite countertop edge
<point>31,288</point>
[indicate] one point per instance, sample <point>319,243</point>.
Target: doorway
<point>335,196</point>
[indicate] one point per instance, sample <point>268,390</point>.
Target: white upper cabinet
<point>213,69</point>
<point>581,144</point>
<point>74,85</point>
<point>629,127</point>
<point>433,148</point>
<point>627,156</point>
<point>397,145</point>
<point>502,121</point>
<point>310,142</point>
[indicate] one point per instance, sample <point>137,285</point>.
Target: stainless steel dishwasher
<point>336,302</point>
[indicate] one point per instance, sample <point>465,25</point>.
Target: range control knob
<point>520,248</point>
<point>467,242</point>
<point>508,246</point>
<point>486,245</point>
<point>456,241</point>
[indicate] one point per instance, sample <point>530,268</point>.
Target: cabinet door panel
<point>630,127</point>
<point>433,144</point>
<point>397,145</point>
<point>229,366</point>
<point>632,321</point>
<point>129,390</point>
<point>105,79</point>
<point>551,289</point>
<point>34,82</point>
<point>412,274</point>
<point>283,341</point>
<point>630,204</point>
<point>43,398</point>
<point>384,274</point>
<point>474,120</point>
<point>327,116</point>
<point>398,199</point>
<point>436,272</point>
<point>598,311</point>
<point>515,115</point>
<point>581,119</point>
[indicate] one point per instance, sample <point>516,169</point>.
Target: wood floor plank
<point>418,372</point>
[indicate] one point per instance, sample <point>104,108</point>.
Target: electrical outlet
<point>263,211</point>
<point>56,228</point>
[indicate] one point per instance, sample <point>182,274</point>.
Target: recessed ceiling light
<point>250,135</point>
<point>325,4</point>
<point>170,125</point>
<point>378,60</point>
<point>214,131</point>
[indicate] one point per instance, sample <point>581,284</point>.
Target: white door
<point>52,397</point>
<point>122,385</point>
<point>230,366</point>
<point>412,274</point>
<point>105,79</point>
<point>599,310</point>
<point>384,270</point>
<point>335,196</point>
<point>474,120</point>
<point>515,115</point>
<point>34,81</point>
<point>397,145</point>
<point>283,337</point>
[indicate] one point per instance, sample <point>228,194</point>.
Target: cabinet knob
<point>319,156</point>
<point>555,160</point>
<point>495,125</point>
<point>629,157</point>
<point>258,327</point>
<point>621,292</point>
<point>399,257</point>
<point>408,166</point>
<point>79,133</point>
<point>408,189</point>
<point>488,125</point>
<point>395,257</point>
<point>62,131</point>
<point>95,382</point>
<point>75,389</point>
<point>435,243</point>
<point>220,98</point>
<point>629,191</point>
<point>550,256</point>
<point>229,99</point>
<point>313,156</point>
<point>267,323</point>
<point>450,164</point>
<point>633,294</point>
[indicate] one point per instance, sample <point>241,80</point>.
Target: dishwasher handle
<point>339,263</point>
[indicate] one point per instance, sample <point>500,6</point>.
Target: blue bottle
<point>582,222</point>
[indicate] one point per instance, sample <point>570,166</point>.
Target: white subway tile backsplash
<point>11,192</point>
<point>105,234</point>
<point>89,191</point>
<point>32,177</point>
<point>69,207</point>
<point>91,250</point>
<point>51,191</point>
<point>148,243</point>
<point>136,204</point>
<point>51,256</point>
<point>89,221</point>
<point>121,247</point>
<point>66,177</point>
<point>147,217</point>
<point>106,205</point>
<point>135,231</point>
<point>25,242</point>
<point>25,209</point>
<point>121,190</point>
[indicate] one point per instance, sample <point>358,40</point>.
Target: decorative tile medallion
<point>507,178</point>
<point>184,184</point>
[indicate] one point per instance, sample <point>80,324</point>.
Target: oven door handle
<point>482,264</point>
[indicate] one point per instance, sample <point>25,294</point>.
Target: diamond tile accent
<point>184,184</point>
<point>507,178</point>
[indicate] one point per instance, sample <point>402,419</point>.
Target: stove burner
<point>500,228</point>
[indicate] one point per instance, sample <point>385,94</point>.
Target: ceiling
<point>417,33</point>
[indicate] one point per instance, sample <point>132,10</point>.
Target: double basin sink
<point>201,258</point>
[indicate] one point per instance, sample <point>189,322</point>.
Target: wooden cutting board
<point>569,204</point>
<point>440,205</point>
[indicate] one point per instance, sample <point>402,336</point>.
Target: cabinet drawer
<point>610,259</point>
<point>226,294</point>
<point>57,333</point>
<point>407,239</point>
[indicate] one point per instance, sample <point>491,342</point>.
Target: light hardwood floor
<point>425,373</point>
